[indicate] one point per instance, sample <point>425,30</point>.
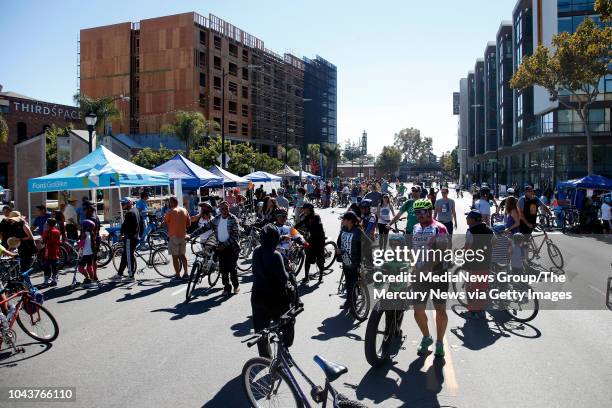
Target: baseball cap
<point>125,200</point>
<point>474,214</point>
<point>528,187</point>
<point>510,190</point>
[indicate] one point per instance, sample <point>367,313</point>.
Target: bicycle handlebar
<point>285,319</point>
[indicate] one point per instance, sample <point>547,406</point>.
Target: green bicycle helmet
<point>422,204</point>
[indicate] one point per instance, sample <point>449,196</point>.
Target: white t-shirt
<point>385,215</point>
<point>87,250</point>
<point>483,206</point>
<point>70,213</point>
<point>222,232</point>
<point>606,213</point>
<point>204,237</point>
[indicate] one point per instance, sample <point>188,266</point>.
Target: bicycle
<point>156,259</point>
<point>247,245</point>
<point>531,250</point>
<point>570,218</point>
<point>270,382</point>
<point>204,265</point>
<point>32,321</point>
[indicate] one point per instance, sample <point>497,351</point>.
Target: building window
<point>232,127</point>
<point>218,42</point>
<point>217,62</point>
<point>22,131</point>
<point>245,55</point>
<point>245,110</point>
<point>233,50</point>
<point>245,129</point>
<point>202,37</point>
<point>217,83</point>
<point>202,79</point>
<point>232,107</point>
<point>232,87</point>
<point>202,100</point>
<point>245,91</point>
<point>202,61</point>
<point>216,103</point>
<point>233,69</point>
<point>218,122</point>
<point>245,74</point>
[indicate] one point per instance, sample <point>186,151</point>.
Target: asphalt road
<point>139,345</point>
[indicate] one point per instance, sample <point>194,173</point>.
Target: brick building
<point>183,61</point>
<point>27,117</point>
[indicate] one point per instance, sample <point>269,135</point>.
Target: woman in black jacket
<point>271,295</point>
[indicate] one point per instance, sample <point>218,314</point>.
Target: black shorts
<point>427,287</point>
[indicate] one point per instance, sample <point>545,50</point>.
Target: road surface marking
<point>176,292</point>
<point>450,379</point>
<point>597,290</point>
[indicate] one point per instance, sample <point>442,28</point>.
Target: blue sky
<point>398,61</point>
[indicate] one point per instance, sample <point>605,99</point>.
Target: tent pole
<point>29,207</point>
<point>120,206</point>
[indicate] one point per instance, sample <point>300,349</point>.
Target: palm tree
<point>3,130</point>
<point>104,108</point>
<point>190,127</point>
<point>331,153</point>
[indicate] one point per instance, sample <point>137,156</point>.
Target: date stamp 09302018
<point>37,394</point>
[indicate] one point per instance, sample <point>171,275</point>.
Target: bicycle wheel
<point>157,238</point>
<point>360,301</point>
<point>117,253</point>
<point>63,260</point>
<point>555,255</point>
<point>213,274</point>
<point>195,246</point>
<point>460,287</point>
<point>522,311</point>
<point>299,261</point>
<point>194,279</point>
<point>37,322</point>
<point>246,248</point>
<point>265,389</point>
<point>160,262</point>
<point>329,253</point>
<point>105,254</point>
<point>378,340</point>
<point>244,266</point>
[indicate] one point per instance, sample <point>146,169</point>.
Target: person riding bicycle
<point>349,252</point>
<point>203,219</point>
<point>273,291</point>
<point>368,218</point>
<point>407,207</point>
<point>528,206</point>
<point>429,234</point>
<point>315,253</point>
<point>478,238</point>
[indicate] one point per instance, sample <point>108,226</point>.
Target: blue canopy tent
<point>191,175</point>
<point>229,179</point>
<point>100,169</point>
<point>591,182</point>
<point>259,176</point>
<point>309,176</point>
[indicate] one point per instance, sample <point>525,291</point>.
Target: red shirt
<point>51,239</point>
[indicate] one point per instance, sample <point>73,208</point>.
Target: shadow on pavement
<point>244,328</point>
<point>149,291</point>
<point>231,395</point>
<point>10,359</point>
<point>195,307</point>
<point>415,388</point>
<point>337,326</point>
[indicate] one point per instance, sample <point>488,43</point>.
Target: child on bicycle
<point>349,252</point>
<point>86,262</point>
<point>51,238</point>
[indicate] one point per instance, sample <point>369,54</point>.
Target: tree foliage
<point>104,108</point>
<point>51,135</point>
<point>351,151</point>
<point>149,158</point>
<point>571,72</point>
<point>3,130</point>
<point>190,127</point>
<point>413,146</point>
<point>604,8</point>
<point>389,160</point>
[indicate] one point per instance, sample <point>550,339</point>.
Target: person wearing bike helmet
<point>273,291</point>
<point>368,218</point>
<point>349,252</point>
<point>429,234</point>
<point>315,253</point>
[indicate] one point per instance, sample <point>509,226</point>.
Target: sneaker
<point>425,343</point>
<point>304,281</point>
<point>236,290</point>
<point>226,292</point>
<point>117,277</point>
<point>439,349</point>
<point>86,281</point>
<point>130,278</point>
<point>53,283</point>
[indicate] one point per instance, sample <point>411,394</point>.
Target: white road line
<point>597,290</point>
<point>176,292</point>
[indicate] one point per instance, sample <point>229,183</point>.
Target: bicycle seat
<point>332,370</point>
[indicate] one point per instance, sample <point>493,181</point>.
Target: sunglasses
<point>421,212</point>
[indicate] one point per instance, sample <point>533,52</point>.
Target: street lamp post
<point>223,75</point>
<point>90,121</point>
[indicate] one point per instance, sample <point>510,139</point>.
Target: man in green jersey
<point>407,207</point>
